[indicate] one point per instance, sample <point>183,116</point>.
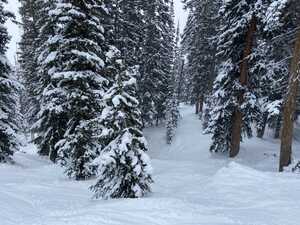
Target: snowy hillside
<point>191,187</point>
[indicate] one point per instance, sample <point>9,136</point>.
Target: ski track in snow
<point>192,187</point>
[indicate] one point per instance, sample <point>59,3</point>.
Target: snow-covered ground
<point>191,187</point>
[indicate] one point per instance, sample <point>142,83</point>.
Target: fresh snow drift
<point>191,187</point>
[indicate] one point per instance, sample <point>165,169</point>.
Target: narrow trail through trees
<point>191,187</point>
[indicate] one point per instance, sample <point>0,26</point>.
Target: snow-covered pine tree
<point>167,16</point>
<point>172,110</point>
<point>22,104</point>
<point>156,60</point>
<point>124,169</point>
<point>78,80</point>
<point>8,86</point>
<point>186,41</point>
<point>200,47</point>
<point>279,24</point>
<point>289,109</point>
<point>50,124</point>
<point>172,117</point>
<point>261,68</point>
<point>27,59</point>
<point>273,83</point>
<point>286,13</point>
<point>129,25</point>
<point>234,92</point>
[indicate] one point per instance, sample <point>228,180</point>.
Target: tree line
<point>243,65</point>
<point>92,74</point>
<point>95,73</point>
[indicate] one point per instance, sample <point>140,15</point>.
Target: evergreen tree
<point>128,22</point>
<point>273,82</point>
<point>156,60</point>
<point>80,81</point>
<point>279,24</point>
<point>168,61</point>
<point>124,169</point>
<point>73,79</point>
<point>172,115</point>
<point>290,109</point>
<point>8,86</point>
<point>50,123</point>
<point>286,14</point>
<point>186,42</point>
<point>22,104</point>
<point>235,97</point>
<point>200,48</point>
<point>27,59</point>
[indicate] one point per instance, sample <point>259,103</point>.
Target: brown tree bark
<point>199,104</point>
<point>237,116</point>
<point>289,109</point>
<point>262,129</point>
<point>277,128</point>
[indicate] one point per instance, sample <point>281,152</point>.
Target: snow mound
<point>192,187</point>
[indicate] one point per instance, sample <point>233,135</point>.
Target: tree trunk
<point>201,105</point>
<point>263,125</point>
<point>197,106</point>
<point>32,136</point>
<point>201,99</point>
<point>277,127</point>
<point>289,109</point>
<point>181,77</point>
<point>237,116</point>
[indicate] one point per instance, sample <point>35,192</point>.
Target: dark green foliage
<point>237,16</point>
<point>124,169</point>
<point>8,97</point>
<point>157,58</point>
<point>199,43</point>
<point>28,60</point>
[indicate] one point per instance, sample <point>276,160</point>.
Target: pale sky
<point>180,14</point>
<point>15,31</point>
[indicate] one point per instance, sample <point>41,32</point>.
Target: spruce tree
<point>235,97</point>
<point>124,169</point>
<point>156,60</point>
<point>28,60</point>
<point>128,21</point>
<point>73,78</point>
<point>22,104</point>
<point>172,115</point>
<point>167,16</point>
<point>200,47</point>
<point>286,14</point>
<point>280,23</point>
<point>80,81</point>
<point>186,42</point>
<point>50,123</point>
<point>273,83</point>
<point>8,98</point>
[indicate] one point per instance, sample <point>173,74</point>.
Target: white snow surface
<point>192,187</point>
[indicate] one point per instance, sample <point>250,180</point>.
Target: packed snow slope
<point>191,187</point>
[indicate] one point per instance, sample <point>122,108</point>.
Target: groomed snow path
<point>191,187</point>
